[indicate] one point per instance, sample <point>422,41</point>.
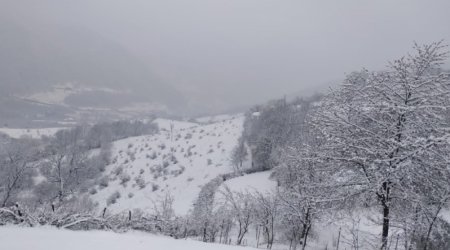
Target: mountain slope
<point>179,160</point>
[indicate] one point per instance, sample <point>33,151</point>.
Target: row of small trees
<point>229,217</point>
<point>220,214</point>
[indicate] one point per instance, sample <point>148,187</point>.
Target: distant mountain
<point>37,60</point>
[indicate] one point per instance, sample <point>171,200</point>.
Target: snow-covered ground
<point>165,124</point>
<point>33,133</point>
<point>213,119</point>
<point>16,238</point>
<point>200,153</point>
<point>259,182</point>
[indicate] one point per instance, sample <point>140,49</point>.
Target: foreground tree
<point>387,134</point>
<point>66,165</point>
<point>306,186</point>
<point>240,205</point>
<point>203,211</point>
<point>17,164</point>
<point>266,213</point>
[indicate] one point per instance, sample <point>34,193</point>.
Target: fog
<point>223,54</point>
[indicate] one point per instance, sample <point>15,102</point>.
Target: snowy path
<point>17,238</point>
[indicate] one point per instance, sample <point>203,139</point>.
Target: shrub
<point>174,159</point>
<point>101,168</point>
<point>140,182</point>
<point>112,199</point>
<point>104,182</point>
<point>124,178</point>
<point>118,170</point>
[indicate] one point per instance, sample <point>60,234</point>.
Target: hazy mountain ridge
<point>41,60</point>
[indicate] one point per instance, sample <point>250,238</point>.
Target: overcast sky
<point>245,51</point>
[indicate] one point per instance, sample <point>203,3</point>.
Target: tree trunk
<point>5,200</point>
<point>430,228</point>
<point>385,233</point>
<point>257,236</point>
<point>306,237</point>
<point>239,239</point>
<point>204,232</point>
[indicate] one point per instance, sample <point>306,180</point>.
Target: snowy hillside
<point>11,238</point>
<point>179,160</point>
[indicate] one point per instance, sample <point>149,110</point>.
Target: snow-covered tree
<point>387,132</point>
<point>203,210</point>
<point>240,205</point>
<point>239,154</point>
<point>17,165</point>
<point>305,186</point>
<point>66,163</point>
<point>266,214</point>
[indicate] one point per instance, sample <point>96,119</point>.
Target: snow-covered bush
<point>103,182</point>
<point>140,182</point>
<point>124,178</point>
<point>118,170</point>
<point>155,187</point>
<point>112,199</point>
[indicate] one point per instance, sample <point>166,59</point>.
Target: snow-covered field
<point>179,160</point>
<point>16,238</point>
<point>259,182</point>
<point>212,119</point>
<point>33,133</point>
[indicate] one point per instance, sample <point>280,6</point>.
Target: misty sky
<point>246,51</point>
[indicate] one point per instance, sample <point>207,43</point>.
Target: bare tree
<point>66,162</point>
<point>241,207</point>
<point>17,162</point>
<point>266,213</point>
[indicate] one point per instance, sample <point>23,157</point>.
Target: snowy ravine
<point>45,238</point>
<point>179,160</point>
